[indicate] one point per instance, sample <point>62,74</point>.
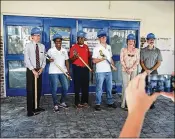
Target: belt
<point>80,66</point>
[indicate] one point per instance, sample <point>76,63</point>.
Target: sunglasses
<point>130,55</point>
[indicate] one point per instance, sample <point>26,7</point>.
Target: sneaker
<point>63,105</point>
<point>56,108</point>
<point>85,105</point>
<point>78,106</point>
<point>97,108</point>
<point>112,105</point>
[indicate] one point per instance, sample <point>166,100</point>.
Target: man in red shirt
<point>80,71</point>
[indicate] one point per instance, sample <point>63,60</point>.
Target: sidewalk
<point>159,122</point>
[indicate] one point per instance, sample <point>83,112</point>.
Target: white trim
<point>3,54</point>
<point>68,16</point>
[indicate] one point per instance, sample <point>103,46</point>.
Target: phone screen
<point>159,83</point>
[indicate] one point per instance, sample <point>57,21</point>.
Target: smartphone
<point>159,83</point>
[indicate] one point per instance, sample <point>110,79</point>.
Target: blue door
<point>118,31</point>
<point>91,27</point>
<point>67,28</point>
<point>16,35</point>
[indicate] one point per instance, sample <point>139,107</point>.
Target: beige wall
<point>155,16</point>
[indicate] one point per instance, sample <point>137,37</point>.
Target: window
<point>17,74</point>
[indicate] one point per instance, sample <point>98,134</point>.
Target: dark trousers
<point>81,83</point>
<point>30,87</point>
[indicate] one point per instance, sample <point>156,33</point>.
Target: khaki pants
<point>126,79</point>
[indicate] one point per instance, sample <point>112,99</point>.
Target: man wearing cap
<point>80,71</point>
<point>35,62</point>
<point>59,56</point>
<point>103,70</point>
<point>150,57</point>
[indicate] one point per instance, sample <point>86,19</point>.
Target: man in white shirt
<point>103,70</point>
<point>59,56</point>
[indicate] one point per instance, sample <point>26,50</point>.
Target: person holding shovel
<point>35,62</point>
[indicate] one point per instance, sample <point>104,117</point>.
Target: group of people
<point>35,60</point>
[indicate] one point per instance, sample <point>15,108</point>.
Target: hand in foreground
<point>136,97</point>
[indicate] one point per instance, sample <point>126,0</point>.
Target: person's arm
<point>27,60</point>
<point>122,58</point>
<point>159,59</point>
<point>67,61</point>
<point>137,60</point>
<point>112,61</point>
<point>156,66</point>
<point>67,66</point>
<point>44,61</point>
<point>142,64</point>
<point>72,57</point>
<point>27,57</point>
<point>133,125</point>
<point>95,58</point>
<point>138,104</point>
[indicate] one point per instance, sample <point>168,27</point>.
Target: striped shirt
<point>30,55</point>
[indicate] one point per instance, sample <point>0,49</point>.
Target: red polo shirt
<point>83,52</point>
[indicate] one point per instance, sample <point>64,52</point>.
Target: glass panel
<point>116,75</point>
<point>91,37</point>
<point>91,42</point>
<point>18,36</point>
<point>64,32</point>
<point>117,39</point>
<point>17,74</point>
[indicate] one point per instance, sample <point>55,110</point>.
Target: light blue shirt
<point>30,55</point>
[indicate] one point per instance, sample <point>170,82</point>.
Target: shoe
<point>112,105</point>
<point>63,105</point>
<point>29,114</point>
<point>56,109</point>
<point>97,108</point>
<point>39,109</point>
<point>85,105</point>
<point>78,106</point>
<point>152,106</point>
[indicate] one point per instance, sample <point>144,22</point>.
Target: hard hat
<point>81,34</point>
<point>35,31</point>
<point>101,33</point>
<point>131,37</point>
<point>57,36</point>
<point>150,36</point>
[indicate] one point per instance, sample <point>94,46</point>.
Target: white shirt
<point>102,66</point>
<point>59,58</point>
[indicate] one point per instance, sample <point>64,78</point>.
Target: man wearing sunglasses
<point>150,57</point>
